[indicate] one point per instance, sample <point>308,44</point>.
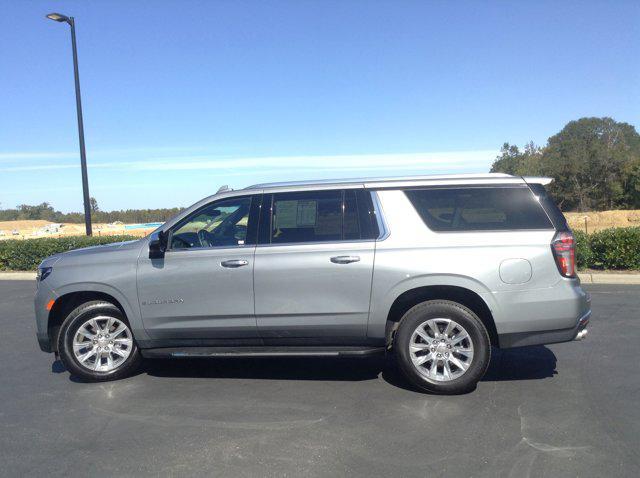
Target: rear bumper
<point>541,337</point>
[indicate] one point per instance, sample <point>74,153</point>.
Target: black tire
<point>466,318</point>
<point>70,327</point>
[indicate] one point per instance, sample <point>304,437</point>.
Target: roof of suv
<point>370,183</point>
<point>487,178</point>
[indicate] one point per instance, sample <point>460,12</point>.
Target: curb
<point>585,278</point>
<point>23,275</point>
<point>610,278</point>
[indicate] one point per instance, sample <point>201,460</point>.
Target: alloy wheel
<point>441,349</point>
<point>102,344</point>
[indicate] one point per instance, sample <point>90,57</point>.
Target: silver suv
<point>435,270</point>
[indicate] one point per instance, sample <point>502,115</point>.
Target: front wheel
<point>96,343</point>
<point>442,347</point>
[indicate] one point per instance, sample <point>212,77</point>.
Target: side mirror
<point>157,245</point>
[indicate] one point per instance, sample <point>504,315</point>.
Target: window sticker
<point>307,213</point>
<point>296,213</point>
<point>286,214</point>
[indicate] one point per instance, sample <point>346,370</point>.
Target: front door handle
<point>345,259</point>
<point>233,263</point>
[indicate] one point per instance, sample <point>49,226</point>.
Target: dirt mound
<point>36,228</point>
<point>596,221</point>
<point>22,225</point>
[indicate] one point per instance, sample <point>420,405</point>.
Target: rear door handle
<point>233,263</point>
<point>345,259</point>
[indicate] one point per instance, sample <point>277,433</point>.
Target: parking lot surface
<point>561,410</point>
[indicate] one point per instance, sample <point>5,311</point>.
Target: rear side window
<point>479,209</point>
<point>558,219</point>
<point>306,217</point>
<point>321,216</point>
<point>359,216</point>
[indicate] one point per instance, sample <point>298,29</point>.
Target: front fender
<point>131,310</point>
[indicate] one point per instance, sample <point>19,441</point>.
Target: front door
<point>203,287</point>
<point>313,267</point>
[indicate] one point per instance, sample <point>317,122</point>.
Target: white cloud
<point>437,161</point>
<point>364,161</point>
<point>21,155</point>
<point>38,167</point>
<point>8,156</point>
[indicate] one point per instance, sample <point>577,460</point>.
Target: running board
<point>265,351</point>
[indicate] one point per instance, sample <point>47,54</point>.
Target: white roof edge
<point>469,181</point>
<point>387,180</point>
<point>537,180</point>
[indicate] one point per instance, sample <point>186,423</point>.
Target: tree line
<point>595,164</point>
<point>45,211</point>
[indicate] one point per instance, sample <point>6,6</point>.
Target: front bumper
<point>44,341</point>
<point>43,295</point>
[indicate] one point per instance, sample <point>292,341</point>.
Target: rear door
<point>314,265</point>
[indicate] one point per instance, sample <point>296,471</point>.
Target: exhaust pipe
<point>582,334</point>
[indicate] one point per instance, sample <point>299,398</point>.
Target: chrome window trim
<point>272,194</point>
<point>383,229</point>
<point>188,249</point>
<point>317,243</point>
<point>494,231</point>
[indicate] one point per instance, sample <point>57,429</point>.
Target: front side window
<point>220,224</point>
<point>321,216</point>
<point>479,209</point>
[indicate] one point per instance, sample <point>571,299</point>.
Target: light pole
<point>83,155</point>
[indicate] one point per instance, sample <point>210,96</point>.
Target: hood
<point>115,246</point>
<point>93,251</point>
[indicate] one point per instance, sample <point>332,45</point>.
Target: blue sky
<point>181,97</point>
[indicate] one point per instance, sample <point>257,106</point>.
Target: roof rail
<point>537,180</point>
<point>388,179</point>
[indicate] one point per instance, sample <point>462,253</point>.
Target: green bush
<point>615,248</point>
<point>584,254</point>
<point>25,255</point>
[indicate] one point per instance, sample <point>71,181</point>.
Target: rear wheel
<point>442,347</point>
<point>96,343</point>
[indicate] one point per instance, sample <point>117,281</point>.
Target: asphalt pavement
<point>561,410</point>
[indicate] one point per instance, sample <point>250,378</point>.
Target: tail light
<point>563,246</point>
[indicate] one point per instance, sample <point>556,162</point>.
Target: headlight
<point>43,273</point>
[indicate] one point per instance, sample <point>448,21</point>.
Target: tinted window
<point>219,224</point>
<point>358,209</point>
<point>478,209</point>
<point>351,222</point>
<point>559,221</point>
<point>307,217</point>
<point>321,216</point>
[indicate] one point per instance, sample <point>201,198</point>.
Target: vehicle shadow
<point>526,363</point>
